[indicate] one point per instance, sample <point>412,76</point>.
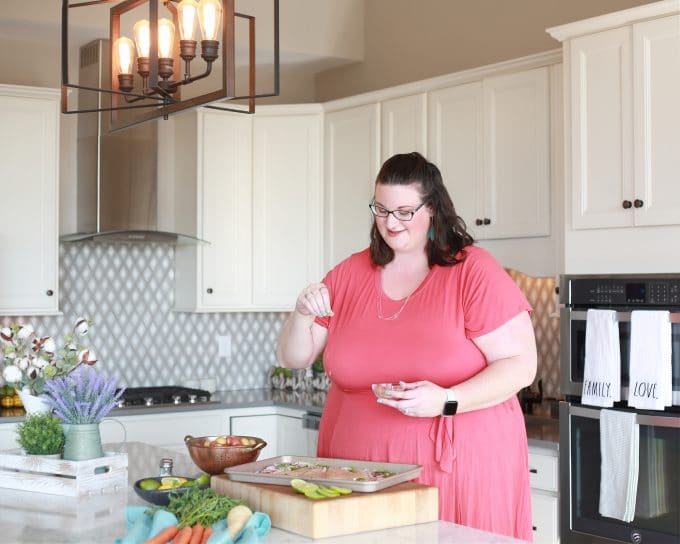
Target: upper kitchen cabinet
<point>287,203</point>
<point>352,160</point>
<point>403,122</point>
<point>622,79</point>
<point>29,177</point>
<point>255,189</point>
<point>491,139</point>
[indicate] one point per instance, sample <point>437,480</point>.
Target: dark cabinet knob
<point>49,292</point>
<point>478,222</point>
<point>626,204</point>
<point>557,290</point>
<point>487,221</point>
<point>638,203</point>
<point>209,290</point>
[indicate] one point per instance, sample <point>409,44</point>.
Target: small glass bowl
<point>384,390</point>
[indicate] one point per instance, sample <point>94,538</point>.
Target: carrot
<point>196,534</point>
<point>166,535</point>
<point>183,536</point>
<point>206,534</point>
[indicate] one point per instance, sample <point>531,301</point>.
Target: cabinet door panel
<point>292,438</point>
<point>287,208</point>
<point>545,518</point>
<point>264,427</point>
<point>657,120</point>
<point>403,125</point>
<point>456,143</point>
<point>516,111</point>
<point>352,162</point>
<point>601,139</point>
<point>29,145</point>
<point>226,264</point>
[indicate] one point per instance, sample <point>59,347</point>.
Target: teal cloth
<point>140,527</point>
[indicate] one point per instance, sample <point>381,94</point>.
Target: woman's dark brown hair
<point>449,235</point>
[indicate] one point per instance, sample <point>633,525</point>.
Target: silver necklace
<point>394,315</point>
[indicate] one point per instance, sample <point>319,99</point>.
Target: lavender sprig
<point>83,396</point>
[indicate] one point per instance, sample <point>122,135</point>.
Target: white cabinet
<point>165,430</point>
<point>490,139</point>
<point>352,160</point>
<point>29,178</point>
<point>287,206</point>
<point>281,428</point>
<point>543,477</point>
<point>256,185</point>
<point>403,125</point>
<point>625,125</point>
<point>8,436</point>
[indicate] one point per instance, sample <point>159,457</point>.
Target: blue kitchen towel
<point>140,526</point>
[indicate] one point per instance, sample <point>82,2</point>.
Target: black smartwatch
<point>451,404</point>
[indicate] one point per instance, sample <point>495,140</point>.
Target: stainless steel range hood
<point>118,190</point>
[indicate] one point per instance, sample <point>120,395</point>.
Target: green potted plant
<point>41,434</point>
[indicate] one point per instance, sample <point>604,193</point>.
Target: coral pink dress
<point>477,459</point>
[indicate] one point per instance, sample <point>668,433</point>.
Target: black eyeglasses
<point>400,214</point>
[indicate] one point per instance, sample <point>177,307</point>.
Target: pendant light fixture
<point>149,73</point>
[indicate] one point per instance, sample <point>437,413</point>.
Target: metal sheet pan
<point>249,472</point>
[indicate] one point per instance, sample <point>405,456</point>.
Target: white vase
<point>34,404</point>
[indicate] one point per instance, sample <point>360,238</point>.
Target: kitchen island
<point>30,517</point>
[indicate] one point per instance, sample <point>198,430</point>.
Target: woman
<point>424,307</point>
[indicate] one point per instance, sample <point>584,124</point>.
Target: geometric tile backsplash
<point>127,290</point>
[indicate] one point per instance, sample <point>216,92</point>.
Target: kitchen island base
<point>407,503</point>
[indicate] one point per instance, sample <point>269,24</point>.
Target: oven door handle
<point>641,419</point>
<point>580,315</point>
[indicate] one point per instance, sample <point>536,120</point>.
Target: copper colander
<point>214,459</point>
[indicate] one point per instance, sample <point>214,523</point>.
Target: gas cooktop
<point>164,395</point>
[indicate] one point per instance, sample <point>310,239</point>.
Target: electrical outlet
<point>224,346</point>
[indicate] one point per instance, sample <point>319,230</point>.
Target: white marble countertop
<point>37,518</point>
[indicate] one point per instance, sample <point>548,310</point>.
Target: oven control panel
<point>624,292</point>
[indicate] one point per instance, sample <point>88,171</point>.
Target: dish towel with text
<point>651,368</point>
<point>619,469</point>
<point>602,372</point>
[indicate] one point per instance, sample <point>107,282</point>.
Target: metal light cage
<point>158,106</point>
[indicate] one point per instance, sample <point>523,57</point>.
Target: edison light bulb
<point>166,38</point>
<point>210,17</point>
<point>142,38</point>
<point>125,50</point>
<point>186,14</point>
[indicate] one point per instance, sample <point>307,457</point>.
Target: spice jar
<point>165,467</point>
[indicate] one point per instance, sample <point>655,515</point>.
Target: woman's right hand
<point>314,300</point>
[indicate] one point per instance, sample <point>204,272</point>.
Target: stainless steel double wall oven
<point>657,514</point>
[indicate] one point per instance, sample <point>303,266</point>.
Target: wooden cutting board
<point>403,504</point>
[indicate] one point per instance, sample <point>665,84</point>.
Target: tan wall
<point>409,40</point>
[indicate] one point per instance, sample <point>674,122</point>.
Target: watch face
<point>450,407</point>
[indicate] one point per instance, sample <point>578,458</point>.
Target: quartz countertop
<point>36,518</point>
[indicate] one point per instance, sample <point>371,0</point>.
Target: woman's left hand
<point>418,399</point>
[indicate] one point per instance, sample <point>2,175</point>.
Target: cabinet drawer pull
<point>478,222</point>
<point>49,292</point>
<point>533,470</point>
<point>487,221</point>
<point>638,203</point>
<point>209,290</point>
<point>533,528</point>
<point>626,204</point>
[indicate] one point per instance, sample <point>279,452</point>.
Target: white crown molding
<point>288,109</point>
<point>449,80</point>
<point>616,19</point>
<point>27,91</point>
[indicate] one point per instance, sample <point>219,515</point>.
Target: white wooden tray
<point>61,477</point>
